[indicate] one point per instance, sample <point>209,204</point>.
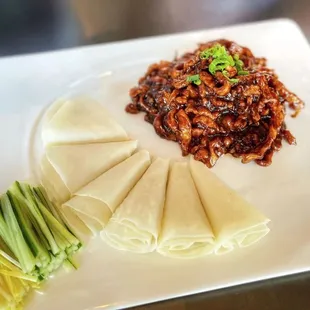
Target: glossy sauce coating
<point>216,117</point>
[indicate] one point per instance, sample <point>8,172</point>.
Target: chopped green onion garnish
<point>194,79</point>
<point>232,81</point>
<point>242,72</point>
<point>239,65</point>
<point>216,51</point>
<point>221,60</point>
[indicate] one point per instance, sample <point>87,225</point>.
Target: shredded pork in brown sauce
<point>243,118</point>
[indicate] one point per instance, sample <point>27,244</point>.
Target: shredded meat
<point>216,117</point>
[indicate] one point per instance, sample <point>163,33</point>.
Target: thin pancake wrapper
<point>95,203</point>
<point>75,224</point>
<point>80,120</point>
<point>67,168</point>
<point>186,231</point>
<point>51,180</point>
<point>136,223</point>
<point>235,221</point>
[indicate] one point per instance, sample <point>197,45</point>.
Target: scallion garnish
<point>221,60</point>
<point>239,65</point>
<point>194,79</point>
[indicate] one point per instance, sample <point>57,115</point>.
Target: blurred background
<point>39,25</point>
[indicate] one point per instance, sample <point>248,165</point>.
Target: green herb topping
<point>239,65</point>
<point>194,79</point>
<point>222,60</point>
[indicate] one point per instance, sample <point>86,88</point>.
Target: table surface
<point>286,293</point>
<point>56,24</point>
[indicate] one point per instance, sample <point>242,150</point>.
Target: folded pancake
<point>93,218</point>
<point>136,223</point>
<point>70,167</point>
<point>76,225</point>
<point>80,120</point>
<point>235,221</point>
<point>56,189</point>
<point>96,202</point>
<point>52,110</point>
<point>186,231</point>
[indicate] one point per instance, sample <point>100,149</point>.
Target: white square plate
<point>111,279</point>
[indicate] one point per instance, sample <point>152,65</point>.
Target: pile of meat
<point>215,116</point>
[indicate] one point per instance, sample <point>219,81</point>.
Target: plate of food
<point>154,168</point>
